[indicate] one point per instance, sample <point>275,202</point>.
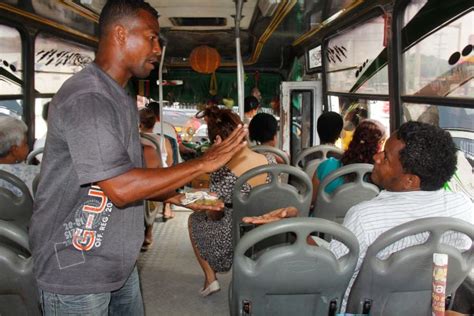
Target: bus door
<point>301,105</point>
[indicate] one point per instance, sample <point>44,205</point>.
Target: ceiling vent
<point>268,7</point>
<point>209,22</point>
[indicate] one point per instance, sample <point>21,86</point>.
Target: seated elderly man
<point>13,152</point>
<point>418,159</point>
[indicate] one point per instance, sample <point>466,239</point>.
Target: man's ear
<point>120,34</point>
<point>15,152</point>
<point>217,140</point>
<point>412,182</point>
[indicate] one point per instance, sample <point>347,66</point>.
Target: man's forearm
<point>150,184</point>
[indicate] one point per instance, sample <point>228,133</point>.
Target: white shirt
<point>368,220</point>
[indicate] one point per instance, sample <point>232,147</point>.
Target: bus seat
<point>402,283</point>
<point>310,158</point>
<point>272,150</point>
<point>30,159</point>
<point>153,141</point>
<point>270,196</point>
<point>13,208</point>
<point>296,279</point>
<point>18,289</point>
<point>334,206</point>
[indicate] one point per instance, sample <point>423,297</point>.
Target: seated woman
<point>263,130</point>
<point>13,152</point>
<point>211,232</point>
<point>368,139</point>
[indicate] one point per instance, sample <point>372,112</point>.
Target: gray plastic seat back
<point>18,290</point>
<point>272,150</point>
<point>297,279</point>
<point>30,159</point>
<point>334,206</point>
<point>402,283</point>
<point>270,196</point>
<point>310,158</point>
<point>13,208</point>
<point>153,141</point>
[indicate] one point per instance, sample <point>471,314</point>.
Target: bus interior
<point>395,60</point>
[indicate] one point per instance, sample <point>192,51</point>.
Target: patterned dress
<point>213,238</point>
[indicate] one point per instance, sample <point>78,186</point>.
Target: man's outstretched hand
<point>272,216</point>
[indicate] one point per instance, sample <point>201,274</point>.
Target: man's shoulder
<point>370,208</point>
<point>85,83</point>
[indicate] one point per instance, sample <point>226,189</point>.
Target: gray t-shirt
<point>81,242</point>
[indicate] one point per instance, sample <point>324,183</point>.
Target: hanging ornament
<point>205,59</point>
<point>213,85</point>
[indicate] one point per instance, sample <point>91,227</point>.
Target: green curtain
<point>195,88</point>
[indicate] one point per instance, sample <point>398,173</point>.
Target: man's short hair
<point>263,128</point>
<point>115,10</point>
<point>429,153</point>
<point>250,103</point>
<point>329,127</point>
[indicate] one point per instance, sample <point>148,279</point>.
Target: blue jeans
<point>125,301</point>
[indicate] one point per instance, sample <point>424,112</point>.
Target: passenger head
<point>256,93</point>
<point>263,129</point>
<point>220,122</point>
<point>367,141</point>
<point>128,38</point>
<point>155,108</point>
<point>147,119</point>
<point>418,156</point>
<point>13,140</point>
<point>251,105</point>
<point>329,127</point>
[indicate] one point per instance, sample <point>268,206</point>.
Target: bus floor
<point>170,275</point>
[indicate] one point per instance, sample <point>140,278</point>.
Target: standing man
<point>87,225</point>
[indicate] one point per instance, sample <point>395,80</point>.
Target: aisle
<point>171,277</point>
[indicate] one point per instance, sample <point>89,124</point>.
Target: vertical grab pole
<point>240,66</point>
<point>160,97</point>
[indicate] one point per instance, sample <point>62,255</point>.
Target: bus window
<point>458,121</point>
<point>354,60</point>
<point>56,60</point>
<point>11,76</point>
<point>40,124</point>
<point>373,109</point>
<point>442,63</point>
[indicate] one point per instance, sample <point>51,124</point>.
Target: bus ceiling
<point>268,28</point>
